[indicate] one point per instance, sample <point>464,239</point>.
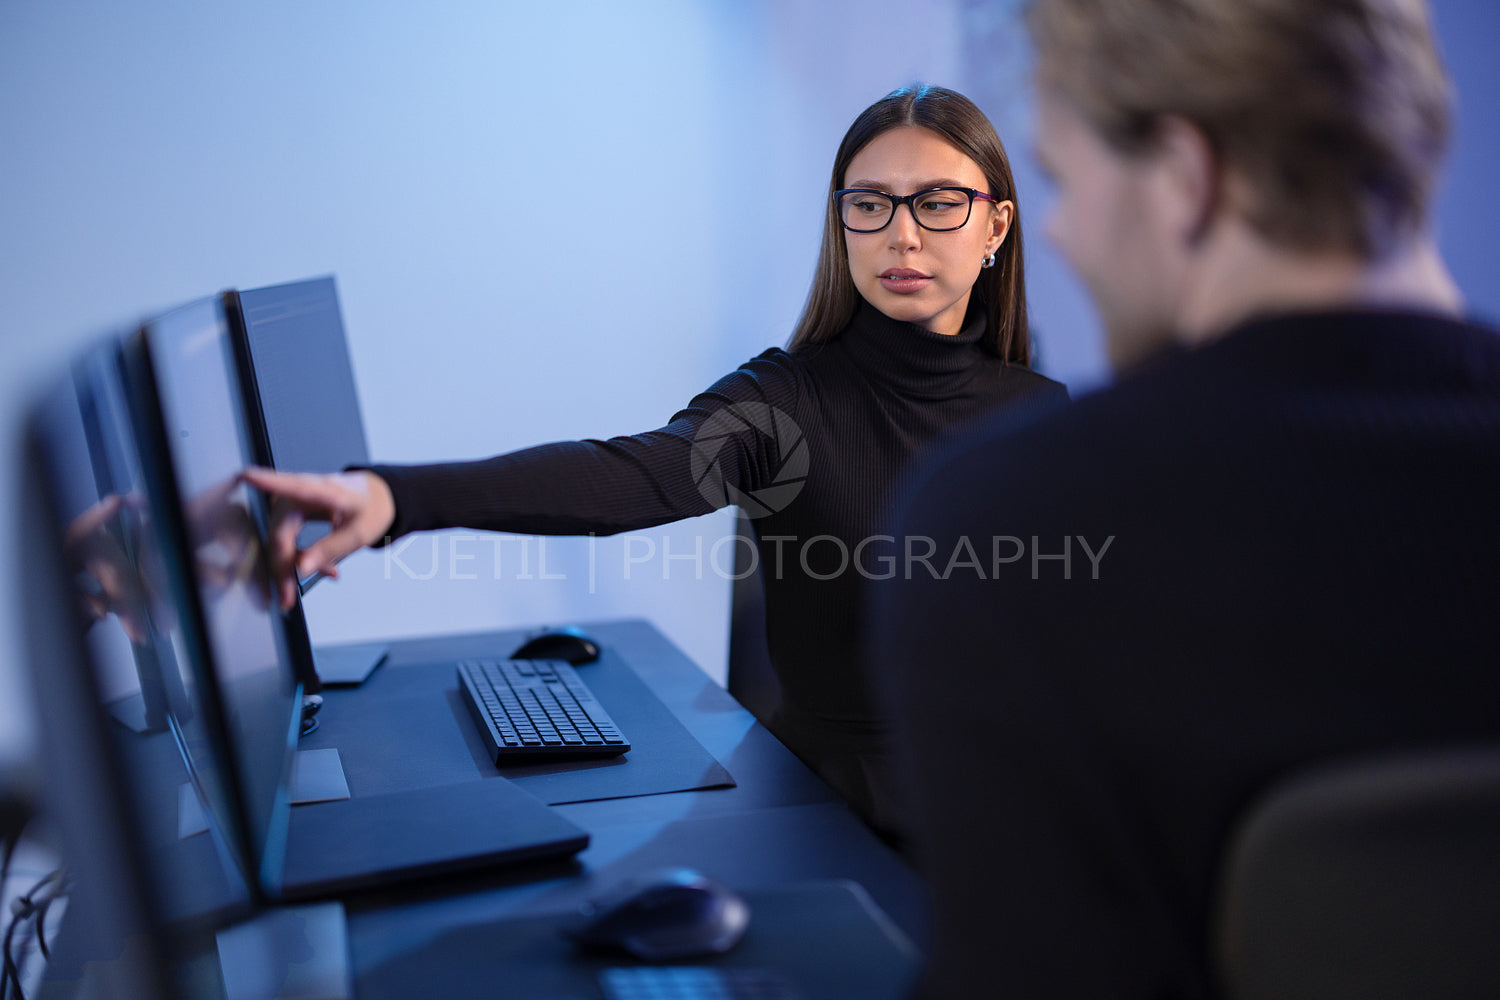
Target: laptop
<point>191,428</point>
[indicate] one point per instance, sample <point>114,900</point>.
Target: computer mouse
<point>568,643</point>
<point>664,915</point>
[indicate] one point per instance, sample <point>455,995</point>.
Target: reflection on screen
<point>114,557</point>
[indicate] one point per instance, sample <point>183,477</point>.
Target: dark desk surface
<point>778,827</point>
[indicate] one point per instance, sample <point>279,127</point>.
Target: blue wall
<point>157,151</point>
<point>1468,216</point>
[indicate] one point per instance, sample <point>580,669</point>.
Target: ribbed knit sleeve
<point>608,486</point>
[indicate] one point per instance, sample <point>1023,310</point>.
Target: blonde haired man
<point>1272,541</point>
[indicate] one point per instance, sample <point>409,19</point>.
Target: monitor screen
<point>190,399</point>
<point>132,782</point>
<point>300,380</point>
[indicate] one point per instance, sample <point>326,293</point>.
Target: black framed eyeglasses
<point>939,209</point>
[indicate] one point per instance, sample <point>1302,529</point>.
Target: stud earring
<point>988,261</point>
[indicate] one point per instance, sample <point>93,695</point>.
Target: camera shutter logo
<point>789,458</point>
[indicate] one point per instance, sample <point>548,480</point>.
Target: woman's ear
<point>1001,214</point>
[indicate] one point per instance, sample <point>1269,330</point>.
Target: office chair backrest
<point>1372,878</point>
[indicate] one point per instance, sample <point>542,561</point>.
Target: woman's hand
<point>113,583</point>
<point>358,506</point>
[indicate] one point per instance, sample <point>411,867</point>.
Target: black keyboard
<point>531,710</point>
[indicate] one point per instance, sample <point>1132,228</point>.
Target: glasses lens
<point>864,211</point>
<point>942,208</point>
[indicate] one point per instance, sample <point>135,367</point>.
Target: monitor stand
<point>349,664</point>
<point>317,776</point>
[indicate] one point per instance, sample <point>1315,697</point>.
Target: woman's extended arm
<point>570,487</point>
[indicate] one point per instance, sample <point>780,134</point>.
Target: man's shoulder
<point>1064,442</point>
<point>1188,415</point>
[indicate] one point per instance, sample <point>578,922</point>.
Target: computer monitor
<point>129,779</point>
<point>186,406</point>
<point>299,381</point>
<point>303,415</point>
<point>186,399</point>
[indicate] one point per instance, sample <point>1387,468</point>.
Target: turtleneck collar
<point>911,356</point>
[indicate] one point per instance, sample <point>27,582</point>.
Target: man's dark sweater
<point>854,410</point>
<point>1303,565</point>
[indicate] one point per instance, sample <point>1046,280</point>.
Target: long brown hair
<point>1000,290</point>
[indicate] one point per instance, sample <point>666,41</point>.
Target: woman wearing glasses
<point>916,322</point>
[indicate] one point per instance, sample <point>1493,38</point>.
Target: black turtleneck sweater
<point>812,440</point>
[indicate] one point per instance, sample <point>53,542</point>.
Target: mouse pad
<point>828,939</point>
<point>408,727</point>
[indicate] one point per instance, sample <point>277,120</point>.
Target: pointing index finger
<point>310,491</point>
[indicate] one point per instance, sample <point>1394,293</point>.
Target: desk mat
<point>828,939</point>
<point>407,726</point>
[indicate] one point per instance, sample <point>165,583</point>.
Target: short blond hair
<point>1335,111</point>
